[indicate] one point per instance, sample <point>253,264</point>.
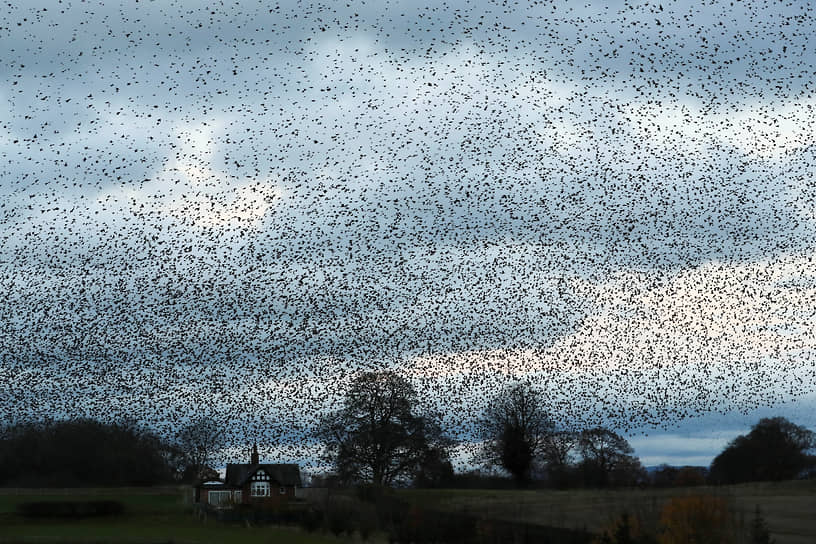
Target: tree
<point>628,472</point>
<point>515,430</point>
<point>68,454</point>
<point>200,441</point>
<point>759,533</point>
<point>558,456</point>
<point>775,449</point>
<point>376,437</point>
<point>434,470</point>
<point>690,476</point>
<point>607,458</point>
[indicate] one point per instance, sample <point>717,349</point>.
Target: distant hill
<point>654,468</point>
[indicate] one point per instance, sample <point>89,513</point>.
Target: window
<point>218,498</point>
<point>259,489</point>
<point>283,491</point>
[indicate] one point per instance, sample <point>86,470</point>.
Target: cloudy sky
<point>232,209</point>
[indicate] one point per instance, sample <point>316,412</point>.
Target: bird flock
<point>230,210</point>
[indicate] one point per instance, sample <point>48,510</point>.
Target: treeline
<point>518,438</point>
<point>381,437</point>
<point>84,452</point>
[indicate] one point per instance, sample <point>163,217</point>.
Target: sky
<point>230,210</point>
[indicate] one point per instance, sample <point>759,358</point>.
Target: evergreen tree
<point>759,529</point>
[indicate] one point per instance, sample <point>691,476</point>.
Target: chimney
<point>254,457</point>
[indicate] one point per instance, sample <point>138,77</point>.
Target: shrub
<point>625,530</point>
<point>372,492</point>
<point>701,519</point>
<point>759,533</point>
<point>340,516</point>
<point>311,520</point>
<point>70,509</point>
<point>337,524</point>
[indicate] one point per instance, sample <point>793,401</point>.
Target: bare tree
<point>606,455</point>
<point>558,455</point>
<point>376,437</point>
<point>515,430</point>
<point>200,441</point>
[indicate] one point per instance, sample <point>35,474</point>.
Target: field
<point>162,515</point>
<point>789,508</point>
<point>153,516</point>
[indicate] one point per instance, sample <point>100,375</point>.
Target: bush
<point>625,530</point>
<point>340,515</point>
<point>372,492</point>
<point>311,520</point>
<point>338,523</point>
<point>701,519</point>
<point>70,509</point>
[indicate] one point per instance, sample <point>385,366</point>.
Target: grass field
<point>153,516</point>
<point>788,507</point>
<point>163,515</point>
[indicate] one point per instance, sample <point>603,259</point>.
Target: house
<point>253,483</point>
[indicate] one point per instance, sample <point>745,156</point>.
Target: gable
<point>282,474</point>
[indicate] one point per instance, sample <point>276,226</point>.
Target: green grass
<point>143,530</point>
<point>152,517</point>
<point>163,502</point>
<point>162,515</point>
<point>788,507</point>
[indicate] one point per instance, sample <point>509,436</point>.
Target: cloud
<point>763,130</point>
<point>207,198</point>
<point>655,348</point>
<point>681,449</point>
<point>613,200</point>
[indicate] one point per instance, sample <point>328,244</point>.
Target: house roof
<point>284,474</point>
<point>211,484</point>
